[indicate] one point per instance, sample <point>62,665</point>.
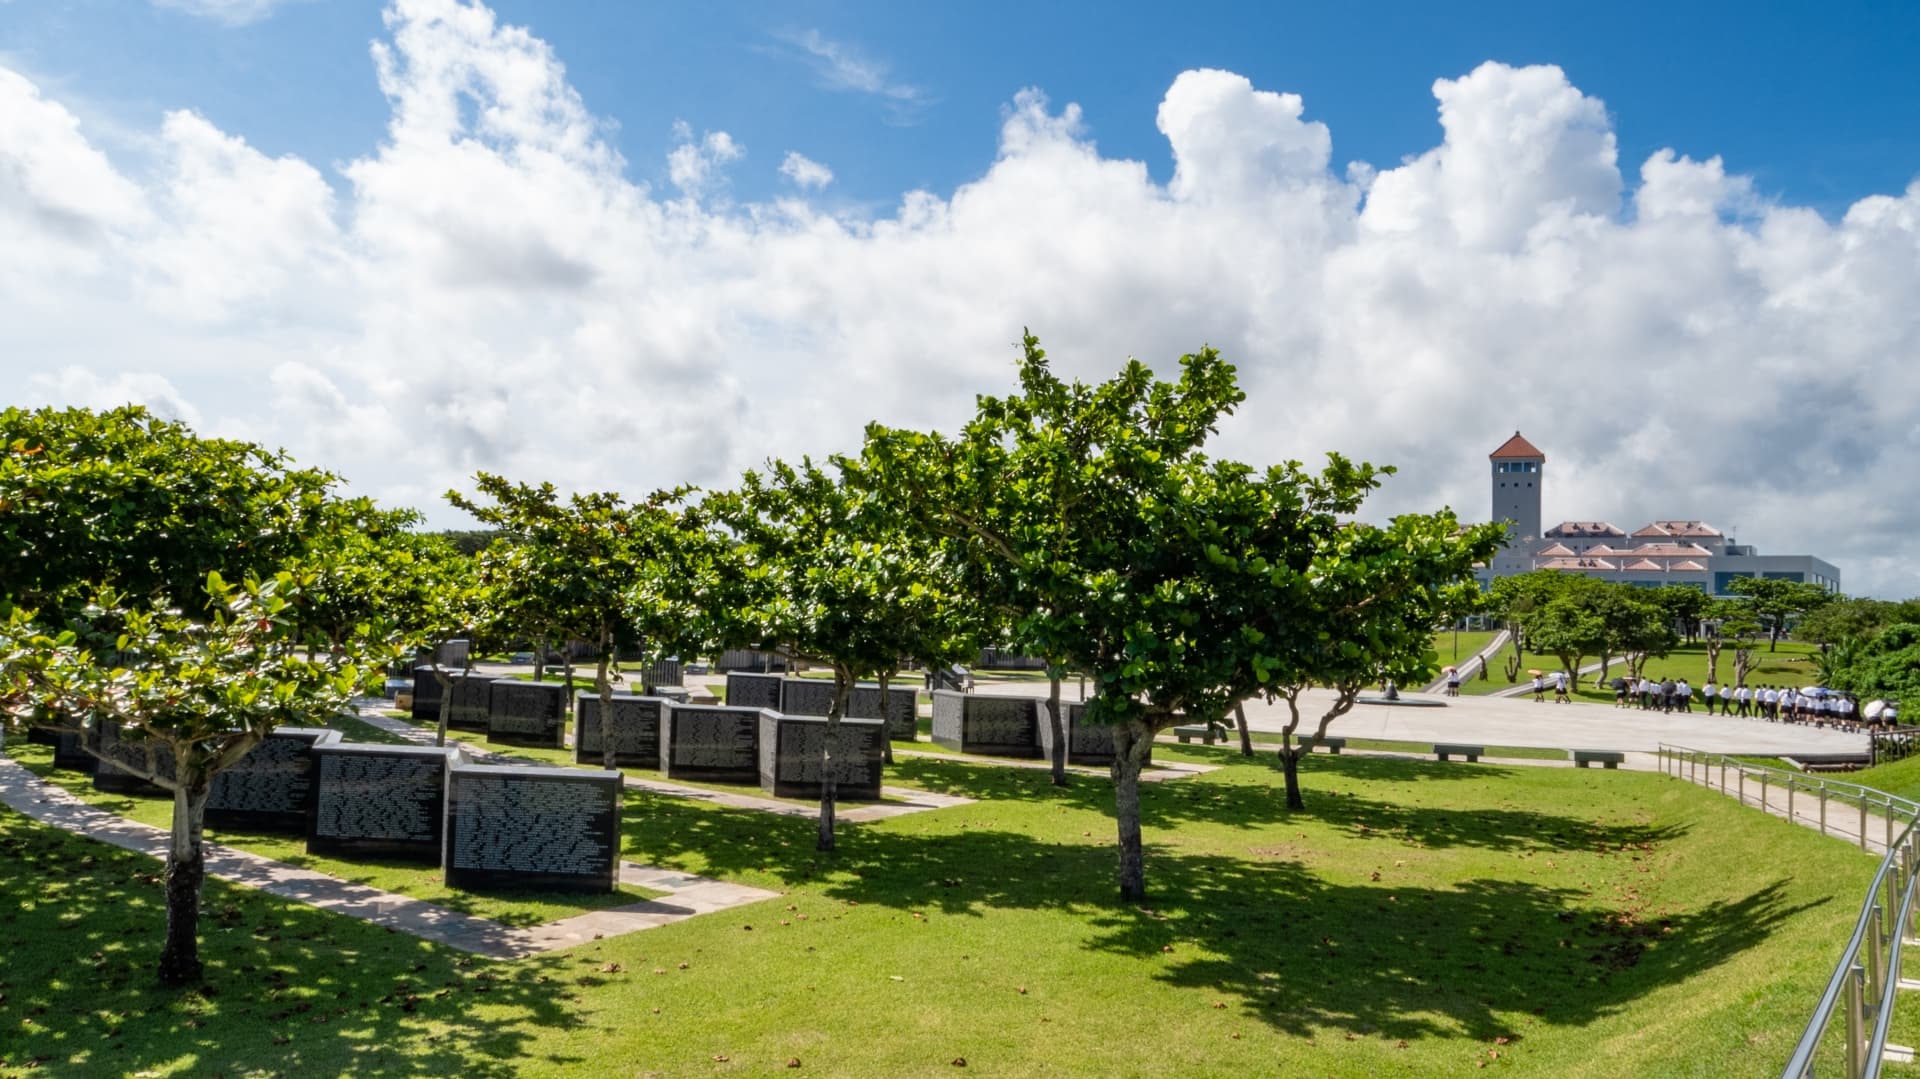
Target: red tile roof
<point>1556,550</point>
<point>1688,565</point>
<point>1577,563</point>
<point>1643,564</point>
<point>1669,550</point>
<point>1516,447</point>
<point>1583,528</point>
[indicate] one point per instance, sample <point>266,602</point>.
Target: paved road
<point>1509,722</point>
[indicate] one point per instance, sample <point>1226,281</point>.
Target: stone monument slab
<point>426,694</point>
<point>748,690</point>
<point>267,790</point>
<point>635,729</point>
<point>469,699</point>
<point>813,696</point>
<point>986,724</point>
<point>1087,743</point>
<point>379,800</point>
<point>544,829</point>
<point>529,713</point>
<point>791,764</point>
<point>69,750</point>
<point>717,743</point>
<point>122,762</point>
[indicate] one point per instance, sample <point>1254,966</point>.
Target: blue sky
<point>1818,103</point>
<point>625,246</point>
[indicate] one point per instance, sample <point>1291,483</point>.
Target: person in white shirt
<point>1845,713</point>
<point>1685,692</point>
<point>1708,693</point>
<point>1539,689</point>
<point>1726,699</point>
<point>1768,700</point>
<point>1743,697</point>
<point>1646,693</point>
<point>1560,688</point>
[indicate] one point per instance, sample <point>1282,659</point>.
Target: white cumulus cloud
<point>492,286</point>
<point>804,171</point>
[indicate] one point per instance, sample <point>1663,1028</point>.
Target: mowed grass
<point>1469,641</point>
<point>1791,665</point>
<point>1416,918</point>
<point>402,877</point>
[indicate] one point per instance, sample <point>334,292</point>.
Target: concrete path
<point>1157,774</point>
<point>1474,662</point>
<point>687,896</point>
<point>1495,721</point>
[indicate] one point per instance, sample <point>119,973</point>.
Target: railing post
<point>1823,807</point>
<point>1874,945</point>
<point>1792,782</point>
<point>1763,788</point>
<point>1863,818</point>
<point>1889,842</point>
<point>1855,1023</point>
<point>1723,773</point>
<point>1740,784</point>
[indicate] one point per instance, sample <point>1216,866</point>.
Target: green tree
<point>1774,602</point>
<point>1683,605</point>
<point>826,572</point>
<point>1630,625</point>
<point>1846,618</point>
<point>197,693</point>
<point>1372,596</point>
<point>1027,477</point>
<point>1567,629</point>
<point>579,568</point>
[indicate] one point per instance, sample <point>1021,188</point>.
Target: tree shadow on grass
<point>289,989</point>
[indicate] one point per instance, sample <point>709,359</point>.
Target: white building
<point>1687,551</point>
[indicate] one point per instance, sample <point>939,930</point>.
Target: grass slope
<point>1791,665</point>
<point>1416,918</point>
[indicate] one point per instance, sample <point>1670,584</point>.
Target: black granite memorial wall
<point>718,743</point>
<point>379,800</point>
<point>635,730</point>
<point>748,690</point>
<point>529,713</point>
<point>43,736</point>
<point>791,764</point>
<point>122,763</point>
<point>545,829</point>
<point>426,694</point>
<point>469,699</point>
<point>1087,743</point>
<point>267,790</point>
<point>813,696</point>
<point>979,723</point>
<point>666,672</point>
<point>69,750</point>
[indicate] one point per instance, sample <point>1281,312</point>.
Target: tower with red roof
<point>1517,473</point>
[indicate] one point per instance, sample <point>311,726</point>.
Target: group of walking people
<point>1779,704</point>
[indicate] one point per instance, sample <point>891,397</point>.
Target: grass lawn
<point>1471,641</point>
<point>1791,665</point>
<point>1901,777</point>
<point>1416,918</point>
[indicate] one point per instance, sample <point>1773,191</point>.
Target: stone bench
<point>1332,745</point>
<point>1609,757</point>
<point>1206,732</point>
<point>1446,751</point>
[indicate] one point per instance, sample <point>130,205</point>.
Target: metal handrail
<point>1867,977</point>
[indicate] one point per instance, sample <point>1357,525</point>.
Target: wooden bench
<point>1444,752</point>
<point>1206,732</point>
<point>1610,758</point>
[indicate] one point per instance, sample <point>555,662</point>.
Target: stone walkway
<point>687,896</point>
<point>1151,775</point>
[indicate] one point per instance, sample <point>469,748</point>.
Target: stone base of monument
<point>987,725</point>
<point>790,757</point>
<point>533,829</point>
<point>379,800</point>
<point>527,713</point>
<point>814,696</point>
<point>635,729</point>
<point>679,694</point>
<point>43,736</point>
<point>425,705</point>
<point>267,790</point>
<point>1087,743</point>
<point>715,743</point>
<point>748,690</point>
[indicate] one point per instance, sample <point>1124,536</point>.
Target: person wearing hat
<point>1453,681</point>
<point>1539,688</point>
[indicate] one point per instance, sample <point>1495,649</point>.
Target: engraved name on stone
<point>529,825</point>
<point>378,796</point>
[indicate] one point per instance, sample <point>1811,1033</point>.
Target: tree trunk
<point>1246,735</point>
<point>1059,728</point>
<point>1290,767</point>
<point>604,687</point>
<point>566,666</point>
<point>446,704</point>
<point>1713,660</point>
<point>886,717</point>
<point>539,660</point>
<point>186,873</point>
<point>1133,740</point>
<point>829,783</point>
<point>1773,633</point>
